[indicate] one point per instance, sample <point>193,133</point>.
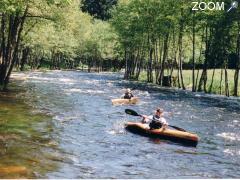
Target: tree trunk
<point>150,59</point>
<point>180,70</point>
<point>165,54</point>
<point>193,55</point>
<point>226,81</point>
<point>15,27</point>
<point>149,71</point>
<point>158,65</point>
<point>211,85</point>
<point>203,79</point>
<point>199,60</point>
<point>126,74</point>
<point>175,49</point>
<point>236,75</point>
<point>25,54</point>
<point>141,59</point>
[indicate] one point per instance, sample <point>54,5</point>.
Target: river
<point>61,124</point>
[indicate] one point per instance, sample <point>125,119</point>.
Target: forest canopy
<point>156,38</point>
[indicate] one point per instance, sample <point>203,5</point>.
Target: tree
<point>14,14</point>
<point>98,8</point>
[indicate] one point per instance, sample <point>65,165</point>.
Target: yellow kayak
<point>186,138</point>
<point>133,100</point>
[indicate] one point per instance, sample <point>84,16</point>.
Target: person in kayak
<point>157,120</point>
<point>128,94</point>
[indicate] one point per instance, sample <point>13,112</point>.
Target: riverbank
<point>214,85</point>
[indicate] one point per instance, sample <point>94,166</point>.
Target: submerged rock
<point>13,170</point>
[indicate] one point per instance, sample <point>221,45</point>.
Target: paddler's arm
<point>164,123</point>
<point>146,119</point>
<point>164,126</point>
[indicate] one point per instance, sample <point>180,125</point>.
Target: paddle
<point>134,113</point>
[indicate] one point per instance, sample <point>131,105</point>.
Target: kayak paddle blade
<point>131,112</point>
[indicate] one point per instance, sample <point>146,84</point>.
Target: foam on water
<point>229,136</point>
<point>232,152</point>
<point>88,91</point>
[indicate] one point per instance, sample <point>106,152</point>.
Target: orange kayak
<point>186,138</point>
<point>133,100</point>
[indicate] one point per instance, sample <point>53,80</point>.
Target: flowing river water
<point>61,124</point>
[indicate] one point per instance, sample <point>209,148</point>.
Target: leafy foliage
<point>98,8</point>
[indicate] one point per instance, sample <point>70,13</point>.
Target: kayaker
<point>128,94</point>
<point>157,120</point>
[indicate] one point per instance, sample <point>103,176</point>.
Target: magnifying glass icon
<point>234,5</point>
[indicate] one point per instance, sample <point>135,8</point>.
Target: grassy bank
<point>217,86</point>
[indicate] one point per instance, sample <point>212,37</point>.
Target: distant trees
<point>147,31</point>
<point>53,34</point>
<point>13,15</point>
<point>156,37</point>
<point>159,37</point>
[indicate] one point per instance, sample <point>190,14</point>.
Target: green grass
<point>187,76</point>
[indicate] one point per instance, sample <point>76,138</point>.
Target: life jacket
<point>155,123</point>
<point>128,96</point>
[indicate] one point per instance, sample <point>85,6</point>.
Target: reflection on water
<point>26,146</point>
<point>65,122</point>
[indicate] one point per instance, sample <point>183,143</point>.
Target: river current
<point>62,125</point>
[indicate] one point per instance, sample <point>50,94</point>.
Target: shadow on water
<point>66,123</point>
